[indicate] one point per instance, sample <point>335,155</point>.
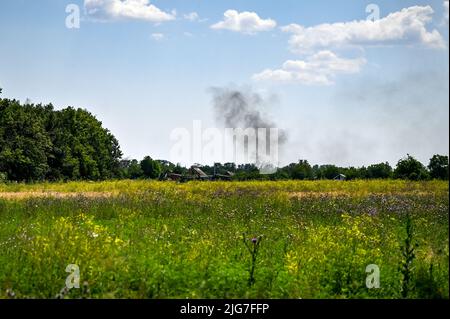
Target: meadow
<point>284,239</point>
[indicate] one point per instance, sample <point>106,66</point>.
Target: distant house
<point>340,177</point>
<point>231,174</point>
<point>228,176</point>
<point>197,173</point>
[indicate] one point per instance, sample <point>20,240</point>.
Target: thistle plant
<point>252,245</point>
<point>406,267</point>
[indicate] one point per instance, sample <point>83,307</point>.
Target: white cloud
<point>126,9</point>
<point>158,36</point>
<point>446,12</point>
<point>244,22</point>
<point>193,16</point>
<point>407,27</point>
<point>318,69</point>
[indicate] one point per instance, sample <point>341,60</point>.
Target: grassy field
<point>142,239</point>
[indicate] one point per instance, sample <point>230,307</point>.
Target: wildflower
<point>253,252</point>
<point>10,293</point>
<point>94,235</point>
<point>373,211</point>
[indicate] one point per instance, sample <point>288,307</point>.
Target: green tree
<point>82,148</point>
<point>302,170</point>
<point>439,167</point>
<point>329,171</point>
<point>135,170</point>
<point>178,169</point>
<point>24,143</point>
<point>150,168</point>
<point>379,171</point>
<point>410,168</point>
<point>352,173</point>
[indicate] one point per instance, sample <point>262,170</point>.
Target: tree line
<point>407,168</point>
<point>39,143</point>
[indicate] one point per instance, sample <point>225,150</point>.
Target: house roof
<point>199,172</point>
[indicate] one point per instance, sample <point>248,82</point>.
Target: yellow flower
<point>292,261</point>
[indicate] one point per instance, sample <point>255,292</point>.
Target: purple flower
<point>373,212</point>
<point>254,240</point>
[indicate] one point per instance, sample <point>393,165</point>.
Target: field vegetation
<point>283,239</point>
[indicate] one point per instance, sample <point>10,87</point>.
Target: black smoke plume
<point>244,108</point>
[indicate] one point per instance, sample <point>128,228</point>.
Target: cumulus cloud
<point>405,27</point>
<point>244,22</point>
<point>318,69</point>
<point>193,16</point>
<point>126,9</point>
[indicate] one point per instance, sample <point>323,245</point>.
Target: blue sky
<point>347,93</point>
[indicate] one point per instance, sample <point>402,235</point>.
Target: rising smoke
<point>244,108</point>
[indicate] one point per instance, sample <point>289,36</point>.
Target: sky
<point>350,82</point>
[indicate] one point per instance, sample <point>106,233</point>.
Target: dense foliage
<point>40,143</point>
